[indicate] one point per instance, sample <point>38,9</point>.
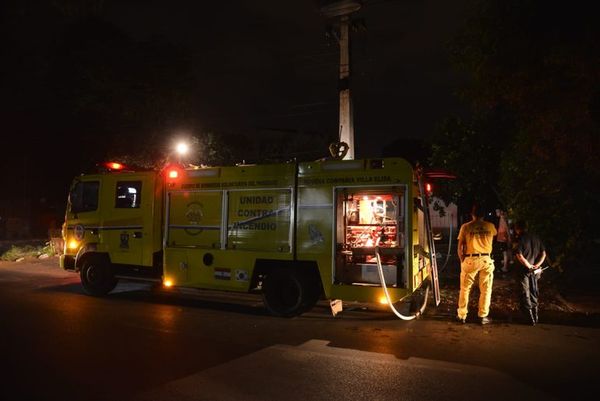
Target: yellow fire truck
<point>296,232</point>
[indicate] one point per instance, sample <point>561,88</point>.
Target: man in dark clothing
<point>531,253</point>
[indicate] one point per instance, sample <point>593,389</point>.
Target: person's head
<point>520,227</point>
<point>477,212</point>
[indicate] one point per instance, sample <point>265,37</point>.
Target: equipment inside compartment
<point>366,220</point>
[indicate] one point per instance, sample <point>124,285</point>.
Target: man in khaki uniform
<point>474,250</point>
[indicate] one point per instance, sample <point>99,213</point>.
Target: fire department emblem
<point>124,237</point>
<point>78,232</point>
<point>194,215</point>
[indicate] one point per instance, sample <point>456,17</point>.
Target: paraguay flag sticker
<point>222,273</point>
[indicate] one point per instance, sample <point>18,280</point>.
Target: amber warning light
<point>173,173</point>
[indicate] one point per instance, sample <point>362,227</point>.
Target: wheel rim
<point>92,274</point>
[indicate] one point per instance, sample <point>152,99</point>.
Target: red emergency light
<point>173,171</point>
<point>114,166</point>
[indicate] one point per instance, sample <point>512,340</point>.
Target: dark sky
<point>268,63</point>
<point>257,64</point>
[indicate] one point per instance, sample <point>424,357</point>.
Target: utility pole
<point>341,11</point>
<point>346,118</point>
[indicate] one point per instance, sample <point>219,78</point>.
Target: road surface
<point>137,344</point>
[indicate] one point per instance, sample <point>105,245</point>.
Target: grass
<point>16,252</point>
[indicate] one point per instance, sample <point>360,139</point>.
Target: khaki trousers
<point>469,268</point>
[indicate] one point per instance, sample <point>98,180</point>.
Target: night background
<point>506,94</point>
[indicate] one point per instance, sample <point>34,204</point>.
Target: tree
<point>538,62</point>
<point>472,150</point>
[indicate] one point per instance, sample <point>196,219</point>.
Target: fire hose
<point>387,295</point>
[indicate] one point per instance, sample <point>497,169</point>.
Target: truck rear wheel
<point>288,292</point>
<point>97,277</point>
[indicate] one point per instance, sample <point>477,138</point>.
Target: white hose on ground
<point>387,295</point>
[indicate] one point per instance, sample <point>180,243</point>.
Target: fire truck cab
<point>295,232</point>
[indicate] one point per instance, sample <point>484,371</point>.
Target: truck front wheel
<point>97,277</point>
<point>288,292</point>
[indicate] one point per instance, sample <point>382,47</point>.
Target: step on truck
<point>341,230</point>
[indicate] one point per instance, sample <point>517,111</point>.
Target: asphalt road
<point>136,344</point>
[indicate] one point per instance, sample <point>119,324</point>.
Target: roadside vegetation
<point>16,252</point>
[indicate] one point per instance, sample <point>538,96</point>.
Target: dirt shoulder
<point>563,300</point>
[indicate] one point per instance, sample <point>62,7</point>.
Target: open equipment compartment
<point>366,219</point>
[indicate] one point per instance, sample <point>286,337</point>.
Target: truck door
<point>83,215</point>
<point>127,218</point>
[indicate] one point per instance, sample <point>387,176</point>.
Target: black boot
<point>532,318</point>
<point>534,314</point>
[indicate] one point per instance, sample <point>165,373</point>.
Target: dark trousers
<point>528,285</point>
